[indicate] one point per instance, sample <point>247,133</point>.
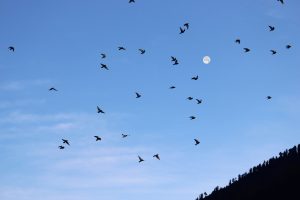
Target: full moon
<point>206,59</point>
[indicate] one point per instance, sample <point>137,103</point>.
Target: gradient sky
<point>58,43</point>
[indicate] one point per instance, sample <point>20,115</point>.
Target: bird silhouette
<point>269,97</point>
<point>52,89</point>
<point>192,117</point>
<point>281,1</point>
<point>11,48</point>
<point>97,137</point>
<point>99,110</point>
<point>66,141</point>
<point>272,28</point>
<point>121,48</point>
<point>137,95</point>
<point>61,147</point>
<point>176,62</point>
<point>288,46</point>
<point>182,30</point>
<point>156,156</point>
<point>103,55</point>
<point>131,1</point>
<point>142,51</point>
<point>195,78</point>
<point>273,52</point>
<point>140,159</point>
<point>173,58</point>
<point>246,50</point>
<point>238,41</point>
<point>199,101</point>
<point>124,135</point>
<point>196,142</point>
<point>103,66</point>
<point>187,25</point>
<point>189,98</point>
<point>172,87</point>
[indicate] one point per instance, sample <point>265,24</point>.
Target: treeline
<point>276,178</point>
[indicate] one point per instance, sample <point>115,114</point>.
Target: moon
<point>206,59</point>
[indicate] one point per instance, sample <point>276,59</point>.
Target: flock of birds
<point>175,61</point>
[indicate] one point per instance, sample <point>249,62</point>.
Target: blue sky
<point>58,44</point>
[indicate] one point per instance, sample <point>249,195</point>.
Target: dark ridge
<point>277,178</point>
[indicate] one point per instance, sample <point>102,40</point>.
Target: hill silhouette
<point>277,178</point>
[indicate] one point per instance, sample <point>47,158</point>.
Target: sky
<point>58,44</point>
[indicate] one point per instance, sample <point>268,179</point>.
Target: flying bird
<point>182,30</point>
<point>196,142</point>
<point>97,137</point>
<point>103,55</point>
<point>131,1</point>
<point>195,78</point>
<point>138,95</point>
<point>140,159</point>
<point>61,147</point>
<point>288,46</point>
<point>52,89</point>
<point>187,25</point>
<point>104,66</point>
<point>192,117</point>
<point>173,58</point>
<point>66,141</point>
<point>124,135</point>
<point>172,87</point>
<point>176,62</point>
<point>246,50</point>
<point>11,48</point>
<point>272,28</point>
<point>238,41</point>
<point>156,156</point>
<point>269,97</point>
<point>189,98</point>
<point>273,52</point>
<point>142,51</point>
<point>281,1</point>
<point>121,48</point>
<point>99,110</point>
<point>199,101</point>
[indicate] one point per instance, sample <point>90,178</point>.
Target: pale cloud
<point>21,103</point>
<point>23,84</point>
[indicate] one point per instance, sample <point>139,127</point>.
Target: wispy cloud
<point>23,84</point>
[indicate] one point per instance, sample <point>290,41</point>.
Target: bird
<point>137,95</point>
<point>103,55</point>
<point>246,50</point>
<point>195,78</point>
<point>124,135</point>
<point>156,156</point>
<point>187,25</point>
<point>238,41</point>
<point>173,58</point>
<point>189,98</point>
<point>176,62</point>
<point>104,66</point>
<point>66,141</point>
<point>199,101</point>
<point>11,48</point>
<point>182,30</point>
<point>121,48</point>
<point>281,1</point>
<point>97,137</point>
<point>52,89</point>
<point>192,117</point>
<point>61,147</point>
<point>288,46</point>
<point>99,110</point>
<point>196,142</point>
<point>142,51</point>
<point>269,97</point>
<point>272,28</point>
<point>140,159</point>
<point>172,87</point>
<point>131,1</point>
<point>273,52</point>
